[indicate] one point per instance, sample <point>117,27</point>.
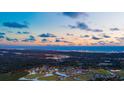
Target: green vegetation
<point>50,78</point>
<point>120,73</point>
<point>101,71</point>
<point>81,77</point>
<point>32,76</point>
<point>69,79</point>
<point>12,76</point>
<point>41,77</point>
<point>85,77</point>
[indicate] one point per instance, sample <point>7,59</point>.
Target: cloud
<point>15,25</point>
<point>101,43</point>
<point>79,25</point>
<point>120,39</point>
<point>84,26</point>
<point>11,39</point>
<point>2,33</point>
<point>47,35</point>
<point>29,39</point>
<point>67,42</point>
<point>58,40</point>
<point>44,40</point>
<point>96,38</point>
<point>72,27</point>
<point>1,37</point>
<point>106,36</point>
<point>68,34</point>
<point>95,30</point>
<point>75,14</point>
<point>114,29</point>
<point>85,36</point>
<point>19,32</point>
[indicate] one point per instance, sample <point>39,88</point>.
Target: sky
<point>62,28</point>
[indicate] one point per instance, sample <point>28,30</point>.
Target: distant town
<point>46,65</point>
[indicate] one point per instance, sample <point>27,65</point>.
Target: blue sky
<point>62,28</point>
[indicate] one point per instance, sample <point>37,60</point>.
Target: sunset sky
<point>62,28</point>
